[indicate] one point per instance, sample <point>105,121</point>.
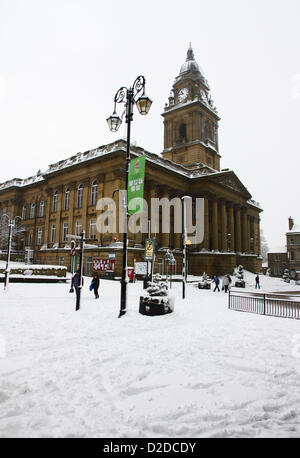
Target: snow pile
<point>202,371</point>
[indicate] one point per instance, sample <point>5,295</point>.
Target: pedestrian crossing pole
<point>184,247</point>
<point>80,270</point>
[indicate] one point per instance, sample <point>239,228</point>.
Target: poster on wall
<point>104,265</point>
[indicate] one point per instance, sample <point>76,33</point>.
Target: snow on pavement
<point>202,371</point>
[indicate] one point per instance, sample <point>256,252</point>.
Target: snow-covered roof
<point>277,249</point>
<point>200,170</point>
<point>295,230</point>
<point>18,182</point>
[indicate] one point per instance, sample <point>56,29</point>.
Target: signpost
<point>73,258</point>
<point>150,252</point>
<point>78,289</point>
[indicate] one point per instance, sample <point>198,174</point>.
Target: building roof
<point>225,177</point>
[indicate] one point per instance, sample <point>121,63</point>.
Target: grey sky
<point>61,63</point>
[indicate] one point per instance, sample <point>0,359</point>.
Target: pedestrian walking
<point>225,283</point>
<point>75,283</point>
<point>216,281</point>
<point>257,284</point>
<point>95,285</point>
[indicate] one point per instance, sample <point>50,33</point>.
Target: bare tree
<point>17,231</point>
<point>264,248</point>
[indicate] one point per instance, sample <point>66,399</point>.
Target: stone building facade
<point>63,199</point>
<point>289,257</point>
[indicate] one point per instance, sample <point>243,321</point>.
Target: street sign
<point>150,249</point>
<point>71,236</point>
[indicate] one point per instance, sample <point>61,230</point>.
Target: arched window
<point>67,199</point>
<point>54,203</point>
<point>32,210</point>
<point>42,208</point>
<point>24,212</point>
<point>182,131</point>
<point>79,196</point>
<point>94,192</point>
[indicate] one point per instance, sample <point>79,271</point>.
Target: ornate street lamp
<point>134,95</point>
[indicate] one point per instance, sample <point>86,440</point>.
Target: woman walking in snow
<point>225,283</point>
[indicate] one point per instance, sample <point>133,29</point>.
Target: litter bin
<point>109,275</point>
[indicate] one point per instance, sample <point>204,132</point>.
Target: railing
<point>279,305</point>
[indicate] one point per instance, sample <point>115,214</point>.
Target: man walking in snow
<point>75,283</point>
<point>216,281</point>
<point>96,283</point>
<point>257,285</point>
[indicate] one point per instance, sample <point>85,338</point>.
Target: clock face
<point>182,94</point>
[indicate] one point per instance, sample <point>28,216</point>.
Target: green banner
<point>136,185</point>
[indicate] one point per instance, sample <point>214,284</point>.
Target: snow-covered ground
<point>202,371</point>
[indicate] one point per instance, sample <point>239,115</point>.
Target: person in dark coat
<point>75,282</point>
<point>216,281</point>
<point>257,285</point>
<point>96,284</point>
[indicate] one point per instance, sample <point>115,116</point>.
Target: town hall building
<point>63,199</point>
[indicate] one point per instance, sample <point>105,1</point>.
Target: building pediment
<point>231,181</point>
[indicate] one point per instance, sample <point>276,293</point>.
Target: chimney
<point>291,223</point>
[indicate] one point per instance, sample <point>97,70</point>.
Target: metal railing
<point>279,305</point>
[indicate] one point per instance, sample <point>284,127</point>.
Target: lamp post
<point>128,97</point>
<point>184,246</point>
<point>187,245</point>
<point>11,225</point>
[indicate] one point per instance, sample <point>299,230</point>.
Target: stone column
<point>58,214</point>
<point>215,226</point>
<point>249,233</point>
<point>164,191</point>
<point>258,235</point>
<point>206,223</point>
<point>238,243</point>
<point>223,226</point>
<point>100,178</point>
<point>231,228</point>
<point>72,188</point>
<point>49,193</point>
<point>245,232</point>
<point>85,202</point>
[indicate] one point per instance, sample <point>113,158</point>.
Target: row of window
<point>66,203</point>
<point>32,210</point>
<point>293,256</point>
<point>79,197</point>
<point>293,242</point>
<point>65,229</point>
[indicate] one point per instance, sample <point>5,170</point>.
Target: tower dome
<point>190,65</point>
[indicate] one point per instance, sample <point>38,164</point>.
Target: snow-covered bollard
<point>205,282</point>
<point>157,301</point>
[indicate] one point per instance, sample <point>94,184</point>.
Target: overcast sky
<point>62,61</point>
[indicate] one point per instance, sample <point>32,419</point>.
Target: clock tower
<point>191,119</point>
